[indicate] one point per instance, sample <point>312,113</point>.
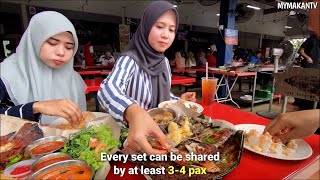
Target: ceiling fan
<point>288,52</point>
<point>181,2</point>
<point>243,13</point>
<point>208,2</point>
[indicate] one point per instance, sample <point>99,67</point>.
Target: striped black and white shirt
<point>7,107</point>
<point>125,85</point>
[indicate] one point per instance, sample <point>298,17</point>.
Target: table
<point>106,72</point>
<point>266,68</point>
<point>176,79</point>
<point>225,79</point>
<point>77,66</point>
<point>252,165</point>
<point>187,69</point>
<point>89,72</point>
<point>93,85</point>
<point>99,67</point>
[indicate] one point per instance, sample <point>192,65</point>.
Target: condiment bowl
<point>69,169</point>
<point>48,159</point>
<point>46,145</point>
<point>163,116</point>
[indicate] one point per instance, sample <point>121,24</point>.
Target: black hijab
<point>149,60</point>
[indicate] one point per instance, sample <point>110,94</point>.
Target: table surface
<point>99,67</point>
<point>89,72</point>
<point>175,79</point>
<point>202,69</point>
<point>252,165</point>
<point>93,85</point>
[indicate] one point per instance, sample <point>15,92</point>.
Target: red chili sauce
<point>20,170</point>
<point>49,161</point>
<point>46,147</point>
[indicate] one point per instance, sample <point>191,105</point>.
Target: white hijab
<point>28,79</point>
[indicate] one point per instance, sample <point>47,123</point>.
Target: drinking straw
<point>206,70</point>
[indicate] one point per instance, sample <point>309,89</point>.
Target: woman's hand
<point>62,107</point>
<point>309,60</point>
<point>189,96</point>
<point>142,125</point>
<point>294,125</point>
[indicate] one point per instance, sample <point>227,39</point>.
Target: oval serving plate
<point>303,150</point>
<point>230,156</point>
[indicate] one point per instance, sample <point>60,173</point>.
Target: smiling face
<point>58,50</point>
<point>163,31</point>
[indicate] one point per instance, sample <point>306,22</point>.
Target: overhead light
<point>253,7</point>
<point>291,13</point>
<point>175,6</point>
<point>287,27</point>
<point>217,14</point>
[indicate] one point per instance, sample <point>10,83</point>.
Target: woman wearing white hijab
<point>39,78</point>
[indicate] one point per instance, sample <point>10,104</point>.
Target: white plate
<point>303,151</point>
<point>246,97</point>
<point>186,103</point>
<point>222,123</point>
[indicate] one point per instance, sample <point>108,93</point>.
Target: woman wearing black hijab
<point>141,78</point>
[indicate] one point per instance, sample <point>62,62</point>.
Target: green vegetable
<point>208,140</point>
<point>78,144</point>
<point>202,116</point>
<point>15,160</point>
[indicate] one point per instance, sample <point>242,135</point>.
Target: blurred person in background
<point>179,61</point>
<point>107,58</point>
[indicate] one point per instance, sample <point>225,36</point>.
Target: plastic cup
<point>209,87</point>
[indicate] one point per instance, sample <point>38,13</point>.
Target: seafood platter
<point>29,150</point>
<point>192,133</point>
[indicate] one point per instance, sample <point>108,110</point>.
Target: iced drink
<point>208,90</point>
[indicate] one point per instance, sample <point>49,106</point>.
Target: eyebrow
<point>59,40</point>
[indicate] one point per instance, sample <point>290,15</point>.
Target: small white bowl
<point>7,172</point>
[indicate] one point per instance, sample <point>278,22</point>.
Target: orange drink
<point>208,89</point>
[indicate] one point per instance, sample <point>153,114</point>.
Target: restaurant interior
<point>250,47</point>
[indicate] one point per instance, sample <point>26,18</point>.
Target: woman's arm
<point>32,110</point>
<point>7,107</point>
<point>23,111</point>
<point>111,94</point>
<point>304,55</point>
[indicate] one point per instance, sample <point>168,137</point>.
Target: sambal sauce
<point>67,172</point>
<point>47,162</point>
<point>20,170</point>
<point>46,147</point>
